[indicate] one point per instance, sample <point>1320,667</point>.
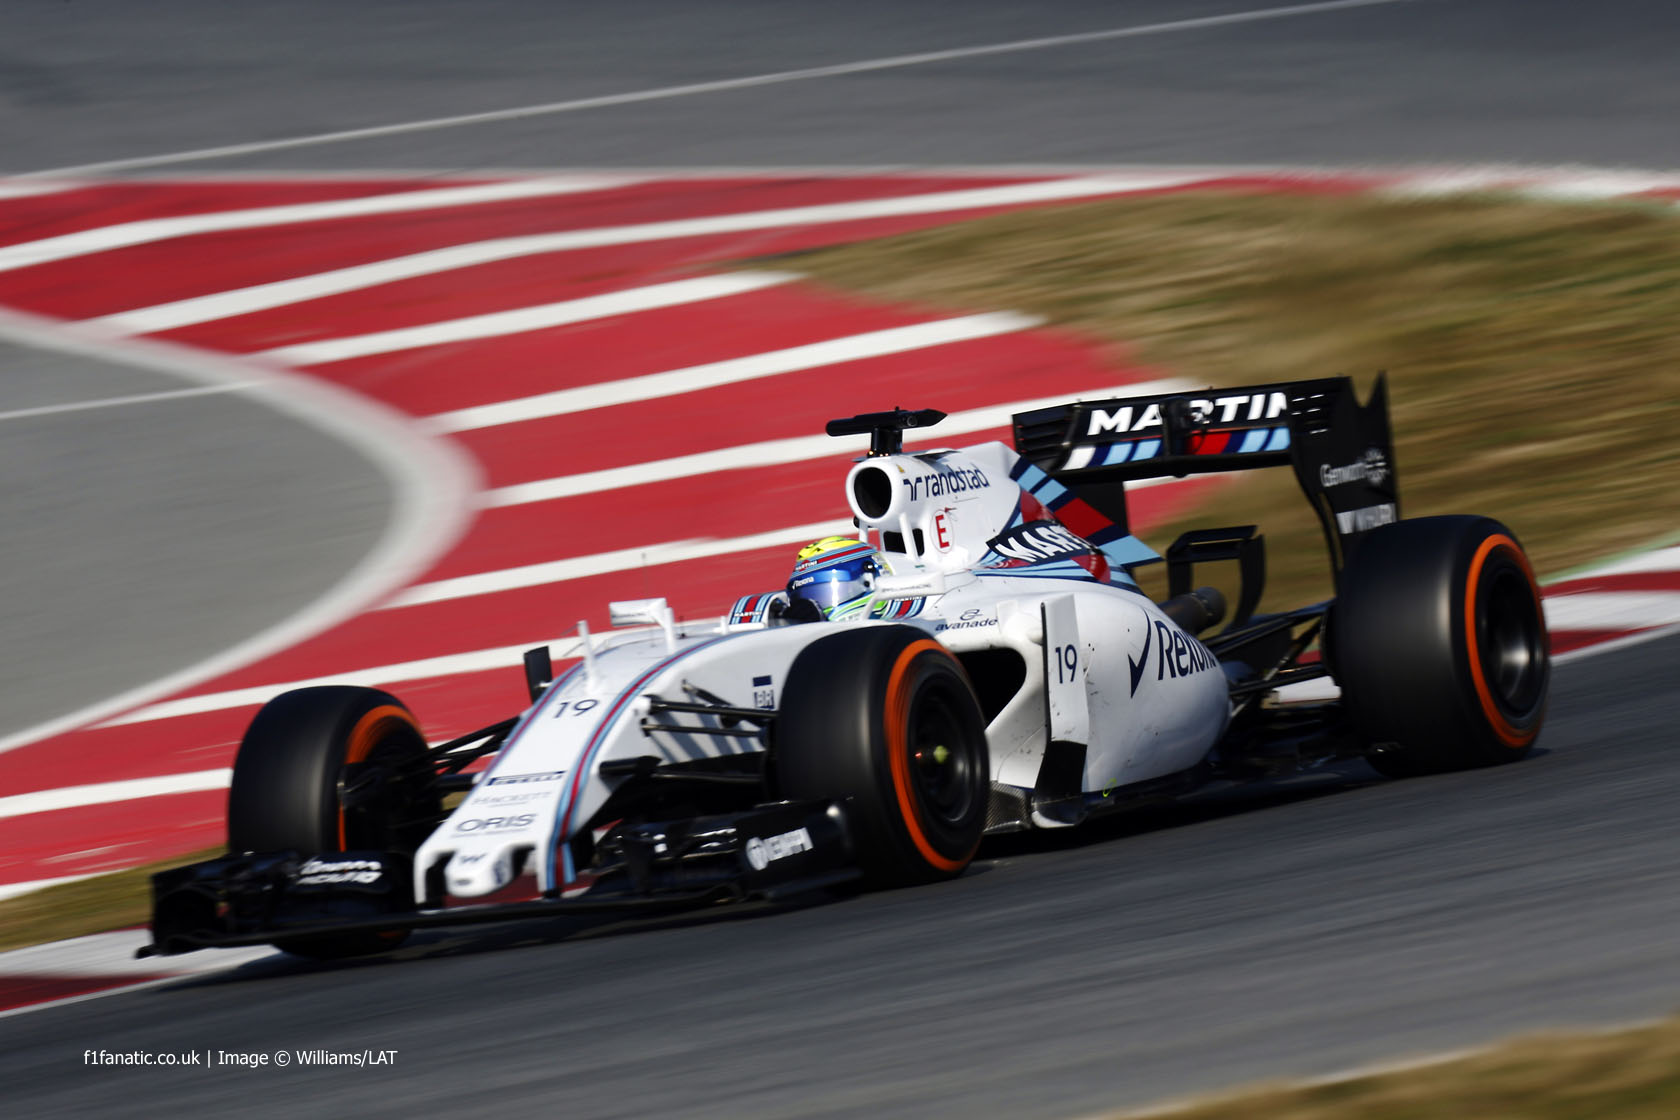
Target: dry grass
<point>1535,375</point>
<point>103,902</point>
<point>91,906</point>
<point>1628,1075</point>
<point>1533,359</point>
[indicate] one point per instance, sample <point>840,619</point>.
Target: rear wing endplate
<point>1342,451</point>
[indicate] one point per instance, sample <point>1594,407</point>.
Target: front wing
<point>768,852</point>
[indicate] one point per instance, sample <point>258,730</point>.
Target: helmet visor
<point>829,587</point>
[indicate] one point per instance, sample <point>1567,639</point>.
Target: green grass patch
<point>1535,376</point>
<point>94,905</point>
<point>1629,1075</point>
<point>1531,348</point>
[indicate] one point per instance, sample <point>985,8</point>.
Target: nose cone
<point>475,874</point>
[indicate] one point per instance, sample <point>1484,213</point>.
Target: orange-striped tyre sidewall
<point>1497,546</point>
<point>288,782</point>
<point>370,730</point>
<point>858,705</point>
<point>896,713</point>
<point>1438,640</point>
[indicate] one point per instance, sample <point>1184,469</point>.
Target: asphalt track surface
<point>146,530</point>
<point>1281,932</point>
<point>1550,81</point>
<point>101,80</point>
<point>1330,921</point>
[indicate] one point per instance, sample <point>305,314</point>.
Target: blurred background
<point>268,273</point>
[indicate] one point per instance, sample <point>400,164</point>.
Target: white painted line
<point>118,402</point>
<point>530,575</point>
<point>1660,560</point>
<point>1451,181</point>
<point>480,660</point>
<point>1562,184</point>
<point>164,785</point>
<point>448,665</point>
<point>791,450</point>
<point>281,293</point>
<point>523,319</point>
<point>1591,611</point>
<point>29,188</point>
<point>125,234</point>
<point>98,954</point>
<point>1610,610</point>
<point>112,954</point>
<point>1615,645</point>
<point>603,563</point>
<point>873,344</point>
<point>767,453</point>
<point>509,657</point>
<point>12,890</point>
<point>430,483</point>
<point>105,793</point>
<point>697,88</point>
<point>1563,617</point>
<point>1600,185</point>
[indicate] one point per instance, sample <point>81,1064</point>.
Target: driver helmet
<point>836,575</point>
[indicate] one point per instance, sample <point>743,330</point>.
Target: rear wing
<point>1342,451</point>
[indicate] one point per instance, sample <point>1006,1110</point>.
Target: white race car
<point>978,660</point>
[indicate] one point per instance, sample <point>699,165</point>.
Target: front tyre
<point>885,718</point>
<point>332,769</point>
<point>1439,642</point>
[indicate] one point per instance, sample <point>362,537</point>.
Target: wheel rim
<point>942,756</point>
<point>383,797</point>
<point>1511,641</point>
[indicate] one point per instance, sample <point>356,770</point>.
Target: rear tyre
<point>332,769</point>
<point>885,718</point>
<point>1439,643</point>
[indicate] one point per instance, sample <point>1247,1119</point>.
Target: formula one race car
<point>979,659</point>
